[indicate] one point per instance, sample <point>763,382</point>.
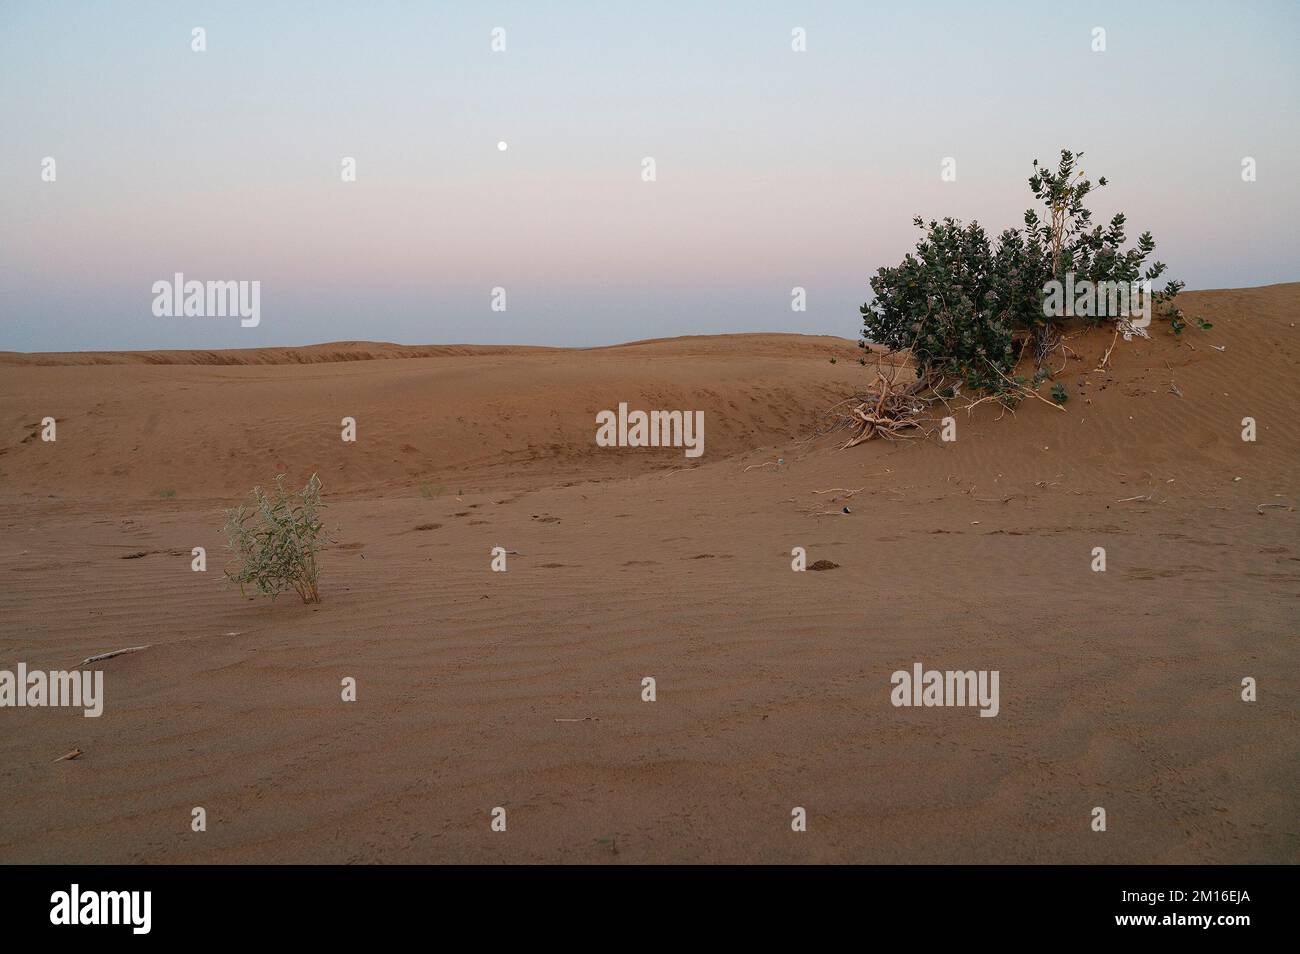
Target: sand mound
<point>213,424</point>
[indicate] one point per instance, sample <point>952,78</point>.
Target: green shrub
<point>946,303</point>
<point>275,540</point>
<point>967,308</point>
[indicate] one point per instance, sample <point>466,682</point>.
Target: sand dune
<point>213,428</point>
<point>1119,689</point>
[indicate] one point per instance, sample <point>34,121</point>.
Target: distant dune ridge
<point>757,342</point>
<point>522,689</point>
<point>213,424</point>
<point>307,354</point>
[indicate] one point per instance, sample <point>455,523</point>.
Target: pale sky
<point>775,168</point>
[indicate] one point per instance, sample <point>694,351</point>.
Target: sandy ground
<point>1118,689</point>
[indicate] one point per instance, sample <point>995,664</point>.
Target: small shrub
<point>167,493</point>
<point>275,540</point>
<point>1059,394</point>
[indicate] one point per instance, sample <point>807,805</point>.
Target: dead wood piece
<point>117,652</point>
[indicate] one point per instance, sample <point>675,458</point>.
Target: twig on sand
<point>1173,388</point>
<point>583,719</point>
<point>1139,497</point>
<point>1021,389</point>
<point>1260,508</point>
<point>1106,356</point>
<point>847,492</point>
<point>117,652</point>
<point>67,756</point>
<point>766,463</point>
<point>988,397</point>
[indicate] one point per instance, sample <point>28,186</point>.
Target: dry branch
<point>116,652</point>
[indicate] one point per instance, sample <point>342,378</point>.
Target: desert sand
<point>522,689</point>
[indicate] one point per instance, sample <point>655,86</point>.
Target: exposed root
<point>887,409</point>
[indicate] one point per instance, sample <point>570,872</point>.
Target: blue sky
<point>774,168</point>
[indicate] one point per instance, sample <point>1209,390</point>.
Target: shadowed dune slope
<point>213,424</point>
